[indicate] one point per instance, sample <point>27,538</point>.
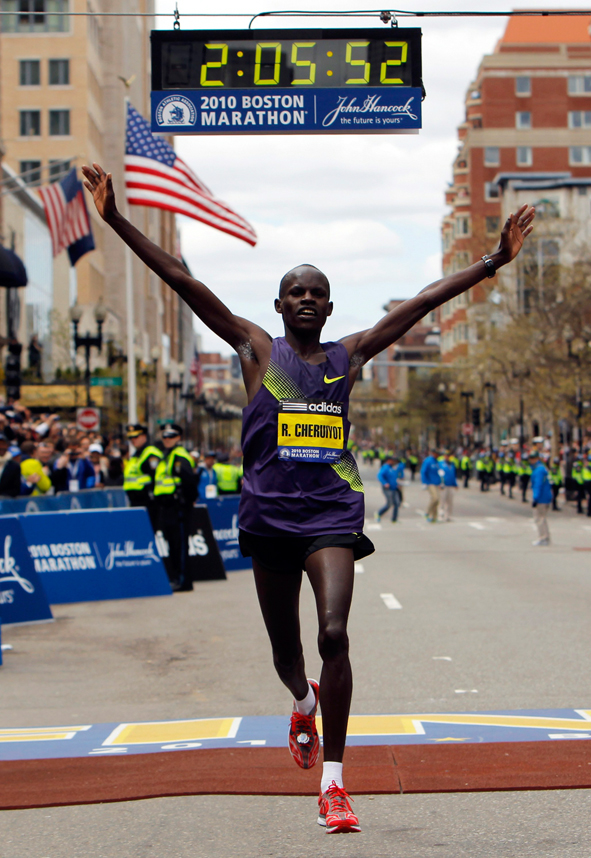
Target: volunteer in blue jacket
<point>388,477</point>
<point>542,492</point>
<point>430,478</point>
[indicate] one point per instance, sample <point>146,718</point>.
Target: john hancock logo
<point>383,112</point>
<point>9,571</point>
<point>128,555</point>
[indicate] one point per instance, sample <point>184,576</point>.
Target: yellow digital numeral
<point>214,65</point>
<point>403,56</point>
<point>349,59</point>
<point>276,66</point>
<point>303,81</point>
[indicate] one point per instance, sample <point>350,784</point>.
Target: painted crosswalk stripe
<point>359,568</point>
<point>476,525</point>
<point>390,601</point>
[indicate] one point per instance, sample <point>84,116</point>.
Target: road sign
<point>359,80</point>
<point>88,419</point>
<point>467,429</point>
<point>106,381</point>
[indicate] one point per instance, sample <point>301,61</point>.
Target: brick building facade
<point>527,112</point>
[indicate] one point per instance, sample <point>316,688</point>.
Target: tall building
<point>528,116</point>
<point>63,85</point>
<point>418,351</point>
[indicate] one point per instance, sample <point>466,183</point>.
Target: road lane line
<point>359,568</point>
<point>390,601</point>
<point>476,525</point>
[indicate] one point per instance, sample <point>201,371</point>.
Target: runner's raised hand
<point>517,227</point>
<point>100,185</point>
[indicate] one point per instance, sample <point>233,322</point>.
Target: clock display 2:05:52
<point>326,63</point>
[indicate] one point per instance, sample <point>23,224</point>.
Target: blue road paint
<point>118,739</point>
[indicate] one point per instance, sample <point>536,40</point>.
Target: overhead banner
<point>85,556</point>
<point>22,597</point>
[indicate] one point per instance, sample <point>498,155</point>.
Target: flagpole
<point>131,375</point>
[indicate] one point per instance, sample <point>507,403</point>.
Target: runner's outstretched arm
<point>252,343</point>
<point>366,344</point>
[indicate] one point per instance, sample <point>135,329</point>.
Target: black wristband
<point>490,266</point>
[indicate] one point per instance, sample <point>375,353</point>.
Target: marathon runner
<point>302,504</point>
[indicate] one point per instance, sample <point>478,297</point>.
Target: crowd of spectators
<point>42,455</point>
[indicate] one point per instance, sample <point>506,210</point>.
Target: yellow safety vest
<point>228,477</point>
<point>134,480</point>
<point>165,482</point>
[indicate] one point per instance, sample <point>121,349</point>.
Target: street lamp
<point>87,341</point>
<point>488,418</point>
<point>175,385</point>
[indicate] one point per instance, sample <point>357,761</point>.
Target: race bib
<point>310,430</point>
<point>211,491</point>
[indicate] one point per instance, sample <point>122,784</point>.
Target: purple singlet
<point>299,478</point>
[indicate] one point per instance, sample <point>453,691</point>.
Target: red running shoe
<point>304,743</point>
<point>335,811</point>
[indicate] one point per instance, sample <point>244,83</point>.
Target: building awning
<point>12,270</point>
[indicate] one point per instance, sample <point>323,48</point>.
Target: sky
<point>365,209</point>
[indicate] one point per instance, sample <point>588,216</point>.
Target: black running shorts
<point>289,553</point>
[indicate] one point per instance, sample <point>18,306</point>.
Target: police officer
<point>510,471</point>
<point>140,468</point>
<point>555,481</point>
<point>577,476</point>
<point>175,492</point>
<point>466,468</point>
<point>587,480</point>
<point>228,475</point>
<point>500,469</point>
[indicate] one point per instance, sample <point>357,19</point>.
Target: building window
<point>59,72</point>
<point>29,72</point>
<point>462,226</point>
<point>491,156</point>
<point>523,119</point>
<point>579,119</point>
<point>31,172</point>
<point>525,156</point>
<point>58,169</point>
<point>492,225</point>
<point>579,155</point>
<point>30,123</point>
<point>522,86</point>
<point>59,123</point>
<point>35,16</point>
<point>491,191</point>
<point>579,84</point>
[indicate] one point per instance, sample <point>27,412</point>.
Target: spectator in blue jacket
<point>388,477</point>
<point>542,497</point>
<point>430,478</point>
<point>71,473</point>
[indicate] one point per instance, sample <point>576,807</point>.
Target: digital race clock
<point>286,81</point>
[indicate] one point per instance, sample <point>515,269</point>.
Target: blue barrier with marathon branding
<point>114,498</point>
<point>90,555</point>
<point>22,597</point>
<point>223,512</point>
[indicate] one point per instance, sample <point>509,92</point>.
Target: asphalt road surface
<point>511,620</point>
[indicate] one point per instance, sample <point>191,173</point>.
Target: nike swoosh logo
<point>330,380</point>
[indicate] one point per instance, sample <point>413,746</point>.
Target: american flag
<point>67,217</point>
<point>156,177</point>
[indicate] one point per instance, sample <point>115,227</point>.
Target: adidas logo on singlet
<point>308,406</point>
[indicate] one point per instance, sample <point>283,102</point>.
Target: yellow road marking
<point>162,732</point>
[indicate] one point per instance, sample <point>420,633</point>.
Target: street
<point>464,616</point>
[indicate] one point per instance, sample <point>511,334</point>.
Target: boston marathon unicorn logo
<point>9,571</point>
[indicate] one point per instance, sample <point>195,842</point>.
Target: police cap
<point>136,429</point>
<point>171,430</point>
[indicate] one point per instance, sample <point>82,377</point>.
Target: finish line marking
<point>98,740</point>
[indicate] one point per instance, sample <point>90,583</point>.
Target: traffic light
<point>476,417</point>
<point>12,371</point>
